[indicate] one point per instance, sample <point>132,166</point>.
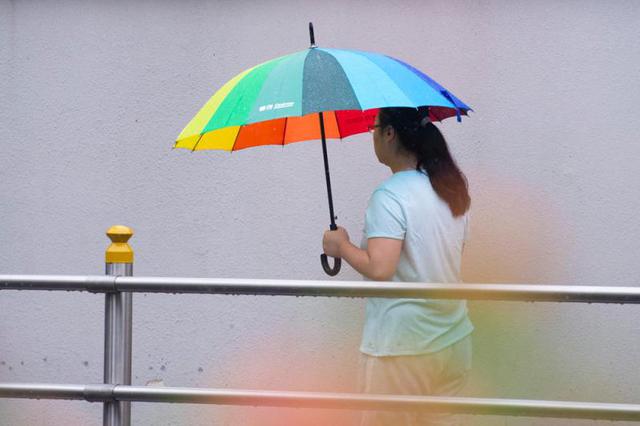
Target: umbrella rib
<point>197,142</point>
<point>335,116</point>
<point>284,133</point>
<point>447,95</point>
<point>235,139</point>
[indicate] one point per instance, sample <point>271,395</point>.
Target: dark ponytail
<point>419,136</point>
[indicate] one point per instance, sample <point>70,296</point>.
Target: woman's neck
<point>402,163</point>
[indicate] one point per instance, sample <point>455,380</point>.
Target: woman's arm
<point>378,262</point>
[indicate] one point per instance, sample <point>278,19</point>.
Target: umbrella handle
<point>325,265</point>
<point>325,260</point>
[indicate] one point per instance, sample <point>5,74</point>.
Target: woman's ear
<point>390,134</point>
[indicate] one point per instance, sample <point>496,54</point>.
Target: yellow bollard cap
<point>119,251</point>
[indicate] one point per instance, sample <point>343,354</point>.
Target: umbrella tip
<point>311,35</point>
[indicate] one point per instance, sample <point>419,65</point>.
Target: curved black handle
<point>325,260</point>
<point>325,265</point>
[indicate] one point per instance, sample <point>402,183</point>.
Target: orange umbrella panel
<point>282,131</point>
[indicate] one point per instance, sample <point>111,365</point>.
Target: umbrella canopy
<point>313,94</point>
<point>276,103</point>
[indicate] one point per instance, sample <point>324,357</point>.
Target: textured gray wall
<point>94,93</point>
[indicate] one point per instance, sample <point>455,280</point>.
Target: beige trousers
<point>442,373</point>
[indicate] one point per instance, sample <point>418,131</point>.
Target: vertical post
<point>118,326</point>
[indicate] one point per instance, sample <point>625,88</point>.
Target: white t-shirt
<point>406,207</point>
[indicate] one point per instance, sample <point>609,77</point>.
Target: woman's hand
<point>333,241</point>
<point>378,262</point>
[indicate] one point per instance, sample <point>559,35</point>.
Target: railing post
<point>117,326</point>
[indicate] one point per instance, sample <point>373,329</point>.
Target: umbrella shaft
<point>326,172</point>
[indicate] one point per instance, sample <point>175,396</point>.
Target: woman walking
<point>415,226</point>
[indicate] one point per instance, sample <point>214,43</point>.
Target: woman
<point>415,228</point>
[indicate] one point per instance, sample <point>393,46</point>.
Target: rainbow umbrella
<point>309,95</point>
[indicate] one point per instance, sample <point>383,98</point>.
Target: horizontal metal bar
<point>92,283</point>
<point>355,401</point>
<point>350,401</point>
<point>510,292</point>
<point>41,391</point>
<point>553,293</point>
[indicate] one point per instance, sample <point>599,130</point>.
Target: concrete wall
<point>94,93</point>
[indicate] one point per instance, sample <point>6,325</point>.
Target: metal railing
<point>271,287</point>
<point>116,392</point>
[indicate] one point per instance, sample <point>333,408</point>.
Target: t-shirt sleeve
<point>385,217</point>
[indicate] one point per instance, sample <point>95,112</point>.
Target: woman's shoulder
<point>404,183</point>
